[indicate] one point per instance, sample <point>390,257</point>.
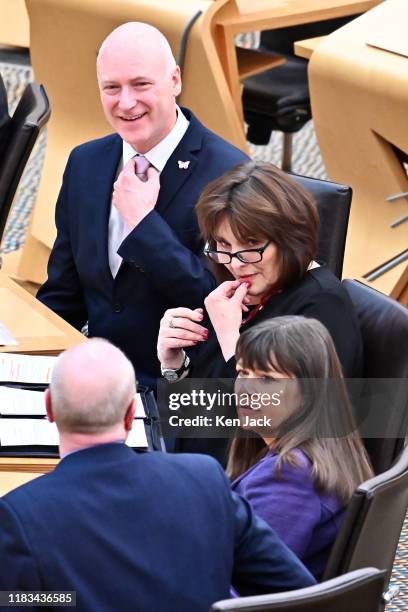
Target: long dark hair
<point>323,427</point>
<point>260,200</point>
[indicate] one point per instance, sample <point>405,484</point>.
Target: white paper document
<point>40,432</point>
<point>26,368</point>
<point>6,337</point>
<point>21,402</point>
<point>24,402</point>
<point>137,435</point>
<point>28,432</point>
<point>140,411</point>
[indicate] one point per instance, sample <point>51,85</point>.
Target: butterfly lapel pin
<point>183,165</point>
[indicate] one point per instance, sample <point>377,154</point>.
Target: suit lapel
<point>107,163</point>
<point>181,163</point>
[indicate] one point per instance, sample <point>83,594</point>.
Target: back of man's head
<point>92,387</point>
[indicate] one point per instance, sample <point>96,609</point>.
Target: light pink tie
<point>141,166</point>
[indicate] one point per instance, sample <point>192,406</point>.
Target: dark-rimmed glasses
<point>245,256</point>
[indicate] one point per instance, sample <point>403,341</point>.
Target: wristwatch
<point>171,375</point>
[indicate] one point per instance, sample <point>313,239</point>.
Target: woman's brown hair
<point>323,427</point>
<point>261,201</point>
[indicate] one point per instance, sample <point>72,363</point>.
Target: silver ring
<point>171,324</point>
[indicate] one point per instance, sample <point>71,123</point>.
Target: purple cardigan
<point>306,520</point>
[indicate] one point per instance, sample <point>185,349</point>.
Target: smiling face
<point>265,399</point>
<point>260,276</point>
<point>138,82</point>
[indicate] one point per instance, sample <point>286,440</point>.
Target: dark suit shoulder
<point>92,147</point>
<point>110,457</point>
<point>321,281</point>
<point>197,466</point>
<point>198,134</point>
<point>229,150</point>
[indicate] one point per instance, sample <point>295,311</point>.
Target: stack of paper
<point>39,431</point>
<point>20,402</point>
<point>26,368</point>
<point>28,432</point>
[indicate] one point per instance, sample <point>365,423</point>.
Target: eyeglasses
<point>246,256</point>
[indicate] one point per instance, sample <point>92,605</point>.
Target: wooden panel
<point>293,12</point>
<point>17,471</point>
<point>14,24</point>
<point>12,480</point>
<point>252,62</point>
<point>38,329</point>
<point>305,48</point>
<point>359,97</point>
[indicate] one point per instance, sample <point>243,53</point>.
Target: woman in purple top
<point>306,458</point>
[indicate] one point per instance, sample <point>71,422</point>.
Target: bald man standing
<point>131,531</point>
<point>128,245</point>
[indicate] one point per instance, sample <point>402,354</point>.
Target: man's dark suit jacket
<point>147,532</point>
<point>161,269</point>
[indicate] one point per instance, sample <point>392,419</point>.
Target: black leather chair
<point>17,138</point>
<point>4,117</point>
<point>372,525</point>
<point>333,203</point>
<point>278,99</point>
<point>359,591</point>
<point>383,410</point>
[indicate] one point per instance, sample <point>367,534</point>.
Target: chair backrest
<point>281,39</point>
<point>333,203</point>
<point>358,591</point>
<point>384,329</point>
<point>4,117</point>
<point>373,522</point>
<point>21,132</point>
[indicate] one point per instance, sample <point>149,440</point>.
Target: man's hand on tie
<point>134,198</point>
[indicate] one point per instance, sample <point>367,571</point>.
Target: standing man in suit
<point>131,531</point>
<point>128,248</point>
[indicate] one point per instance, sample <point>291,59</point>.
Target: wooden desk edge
<point>69,335</point>
<point>31,465</point>
<point>306,48</point>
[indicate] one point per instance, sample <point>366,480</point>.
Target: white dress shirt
<point>158,157</point>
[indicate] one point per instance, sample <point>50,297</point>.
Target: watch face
<point>170,375</point>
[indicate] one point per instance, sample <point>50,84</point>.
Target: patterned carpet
<point>305,160</point>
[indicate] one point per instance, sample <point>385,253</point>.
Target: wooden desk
<point>41,331</point>
<point>359,97</point>
<point>306,48</point>
<point>15,471</point>
<point>14,24</point>
<point>36,327</point>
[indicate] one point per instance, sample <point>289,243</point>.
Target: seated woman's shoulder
<point>296,468</point>
<point>323,279</point>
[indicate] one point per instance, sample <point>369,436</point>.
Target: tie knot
<point>141,166</point>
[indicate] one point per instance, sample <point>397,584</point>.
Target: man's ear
<point>176,77</point>
<point>130,415</point>
<point>48,406</point>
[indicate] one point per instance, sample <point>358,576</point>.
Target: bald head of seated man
<point>131,530</point>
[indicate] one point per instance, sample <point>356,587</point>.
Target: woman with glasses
<point>261,230</point>
<point>301,469</point>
